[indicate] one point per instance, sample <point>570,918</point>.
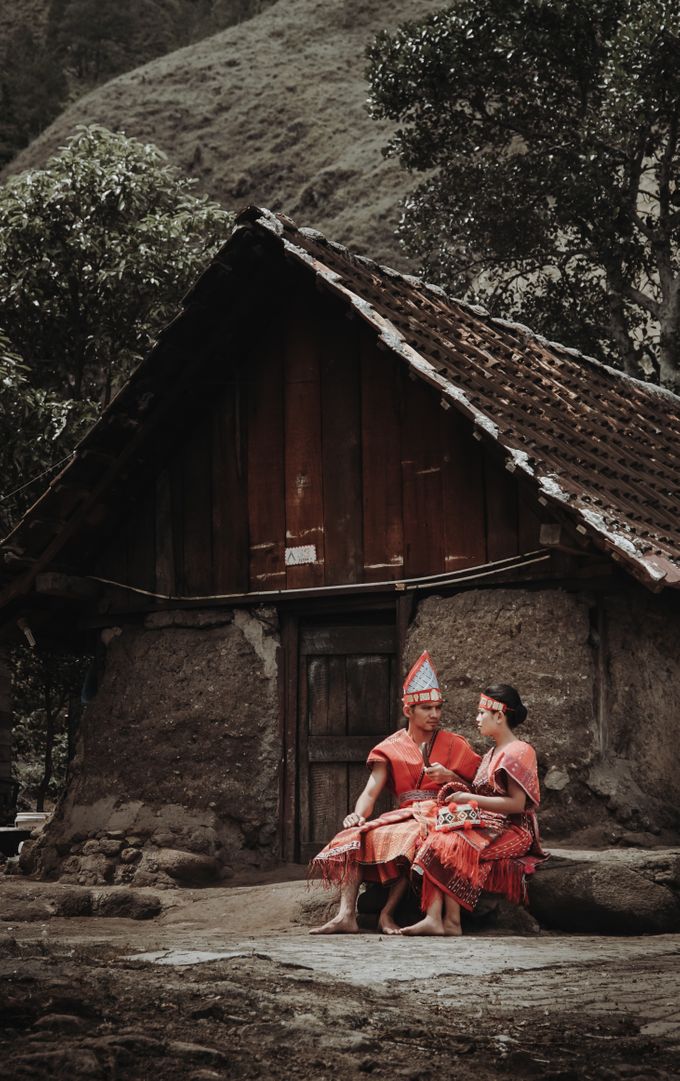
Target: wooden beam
<point>66,586</point>
<point>555,535</point>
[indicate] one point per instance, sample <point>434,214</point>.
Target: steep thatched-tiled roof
<point>598,444</point>
<point>600,448</point>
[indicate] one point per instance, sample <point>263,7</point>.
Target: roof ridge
<point>283,221</point>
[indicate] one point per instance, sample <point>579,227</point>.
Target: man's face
<point>427,715</point>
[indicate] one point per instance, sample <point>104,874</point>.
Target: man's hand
<point>438,773</point>
<point>353,820</point>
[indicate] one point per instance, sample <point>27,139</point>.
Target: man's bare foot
<point>452,928</point>
<point>427,926</point>
<point>339,925</point>
<point>387,926</point>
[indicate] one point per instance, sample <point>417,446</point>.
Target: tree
<point>549,133</point>
<point>96,251</point>
<point>32,91</point>
<point>37,429</point>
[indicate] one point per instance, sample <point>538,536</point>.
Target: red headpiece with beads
<point>493,704</point>
<point>421,684</point>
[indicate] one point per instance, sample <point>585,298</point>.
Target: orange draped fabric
<point>380,849</point>
<point>462,863</point>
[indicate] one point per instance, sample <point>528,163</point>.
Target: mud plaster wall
<point>176,774</point>
<point>641,705</point>
<point>593,702</point>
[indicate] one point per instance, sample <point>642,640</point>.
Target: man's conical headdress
<point>421,684</point>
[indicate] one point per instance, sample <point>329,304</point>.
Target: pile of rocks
<point>113,857</point>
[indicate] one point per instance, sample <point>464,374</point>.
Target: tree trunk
<point>50,732</point>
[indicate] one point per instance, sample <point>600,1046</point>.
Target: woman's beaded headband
<point>492,703</point>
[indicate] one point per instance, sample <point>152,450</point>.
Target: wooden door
<point>347,702</point>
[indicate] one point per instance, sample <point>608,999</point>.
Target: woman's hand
<point>460,797</point>
<point>353,820</point>
<point>438,773</point>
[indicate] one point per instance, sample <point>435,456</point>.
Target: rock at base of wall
<point>602,898</point>
<point>184,868</point>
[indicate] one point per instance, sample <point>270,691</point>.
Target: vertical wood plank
<point>265,453</point>
<point>341,439</point>
<point>422,481</point>
<point>197,511</point>
<point>304,767</point>
<point>141,541</point>
<point>165,552</point>
<point>528,520</point>
<point>229,497</point>
<point>113,564</point>
<point>176,471</point>
<point>327,711</point>
<point>290,726</point>
<point>303,471</point>
<point>383,546</point>
<point>369,694</point>
<point>501,509</point>
<point>462,493</point>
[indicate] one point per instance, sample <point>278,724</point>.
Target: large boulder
<point>608,893</point>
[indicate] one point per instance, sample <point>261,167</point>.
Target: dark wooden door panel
<point>345,641</point>
<point>340,748</point>
<point>346,705</point>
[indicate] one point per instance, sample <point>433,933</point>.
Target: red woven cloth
<point>379,850</point>
<point>463,863</point>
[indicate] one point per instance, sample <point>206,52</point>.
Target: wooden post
<point>5,733</point>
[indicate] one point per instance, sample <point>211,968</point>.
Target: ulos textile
<point>379,850</point>
<point>496,856</point>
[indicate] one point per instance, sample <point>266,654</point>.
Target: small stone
<point>91,847</point>
<point>65,1022</point>
<point>187,867</point>
<point>116,835</point>
<point>194,1050</point>
<point>125,903</point>
<point>556,779</point>
<point>130,855</point>
<point>110,847</point>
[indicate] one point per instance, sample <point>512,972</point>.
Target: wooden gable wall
<point>315,436</point>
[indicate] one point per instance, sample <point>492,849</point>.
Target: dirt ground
<point>226,983</point>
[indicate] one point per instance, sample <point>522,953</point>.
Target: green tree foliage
<point>46,693</point>
<point>548,134</point>
<point>32,90</point>
<point>96,251</point>
<point>37,429</point>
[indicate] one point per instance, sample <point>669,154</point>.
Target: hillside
<point>270,111</point>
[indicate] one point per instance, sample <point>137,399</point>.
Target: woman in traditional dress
<point>413,764</point>
<point>496,854</point>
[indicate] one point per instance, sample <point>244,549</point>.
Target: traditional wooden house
<point>322,467</point>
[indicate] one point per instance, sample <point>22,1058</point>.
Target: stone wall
<point>597,676</point>
<point>176,774</point>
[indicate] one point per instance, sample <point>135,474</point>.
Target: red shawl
<point>406,762</point>
<point>516,760</point>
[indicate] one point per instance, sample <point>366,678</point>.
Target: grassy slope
<point>271,111</point>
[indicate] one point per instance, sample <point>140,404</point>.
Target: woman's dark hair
<point>517,712</point>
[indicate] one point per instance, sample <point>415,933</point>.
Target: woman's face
<point>488,721</point>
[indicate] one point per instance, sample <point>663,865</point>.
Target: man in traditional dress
<point>413,763</point>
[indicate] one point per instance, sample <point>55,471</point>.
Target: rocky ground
<point>225,983</point>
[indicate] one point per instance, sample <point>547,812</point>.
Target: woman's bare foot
<point>452,928</point>
<point>339,925</point>
<point>387,925</point>
<point>427,926</point>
